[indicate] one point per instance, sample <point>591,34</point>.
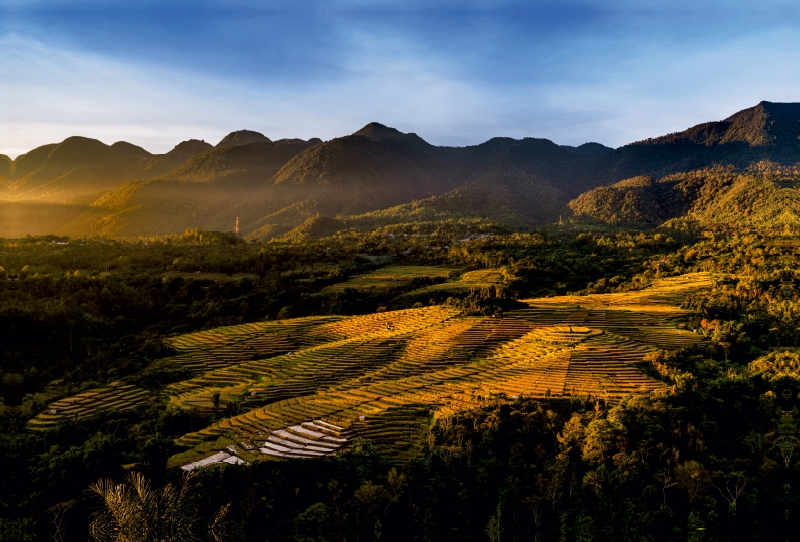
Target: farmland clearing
<point>308,387</point>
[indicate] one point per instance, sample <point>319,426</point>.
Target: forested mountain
<point>382,174</point>
<point>76,166</point>
<point>80,166</point>
<point>243,137</point>
<point>274,187</point>
<point>763,196</point>
<point>768,131</point>
<point>162,164</point>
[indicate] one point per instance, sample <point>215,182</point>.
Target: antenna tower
<point>237,226</point>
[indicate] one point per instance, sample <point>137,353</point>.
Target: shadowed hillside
<point>380,171</point>
<point>5,172</point>
<point>768,131</point>
<point>162,164</point>
<point>515,201</point>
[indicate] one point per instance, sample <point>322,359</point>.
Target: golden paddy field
<point>308,386</point>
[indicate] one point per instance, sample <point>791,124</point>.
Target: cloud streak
<point>456,73</point>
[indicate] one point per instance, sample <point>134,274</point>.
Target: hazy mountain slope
<point>160,165</point>
<point>21,218</point>
<point>275,186</point>
<point>194,195</point>
<point>30,161</point>
<point>78,171</point>
<point>509,199</point>
<point>314,227</point>
<point>516,182</point>
<point>5,176</point>
<point>251,163</point>
<point>79,167</point>
<point>374,168</point>
<point>357,173</point>
<point>75,167</point>
<point>151,208</point>
<point>5,166</point>
<point>280,222</point>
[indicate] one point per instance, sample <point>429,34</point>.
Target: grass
<point>381,376</point>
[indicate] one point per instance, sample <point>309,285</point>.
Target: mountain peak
<point>765,124</point>
<point>242,137</point>
<point>768,123</point>
<point>589,150</point>
<point>190,147</point>
<point>123,147</point>
<point>376,131</point>
<point>78,148</point>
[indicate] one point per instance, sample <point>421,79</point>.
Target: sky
<point>155,73</point>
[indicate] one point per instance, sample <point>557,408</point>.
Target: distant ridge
<point>198,192</point>
<point>162,164</point>
<point>379,174</point>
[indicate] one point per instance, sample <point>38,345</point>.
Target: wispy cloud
<point>455,72</point>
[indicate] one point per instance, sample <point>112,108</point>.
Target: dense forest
<point>79,313</point>
<point>712,460</point>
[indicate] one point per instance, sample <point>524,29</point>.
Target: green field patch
<point>469,281</point>
<point>395,276</point>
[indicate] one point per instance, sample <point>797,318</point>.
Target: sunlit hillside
<point>307,387</point>
<point>762,197</point>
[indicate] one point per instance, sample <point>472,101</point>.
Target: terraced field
<point>471,280</point>
<point>394,276</point>
<point>309,386</point>
<point>115,396</point>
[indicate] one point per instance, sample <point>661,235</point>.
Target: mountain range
<point>735,170</point>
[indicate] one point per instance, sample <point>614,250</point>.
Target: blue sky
<point>455,72</point>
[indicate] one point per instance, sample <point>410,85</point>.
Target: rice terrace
<point>309,386</point>
<point>446,328</point>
